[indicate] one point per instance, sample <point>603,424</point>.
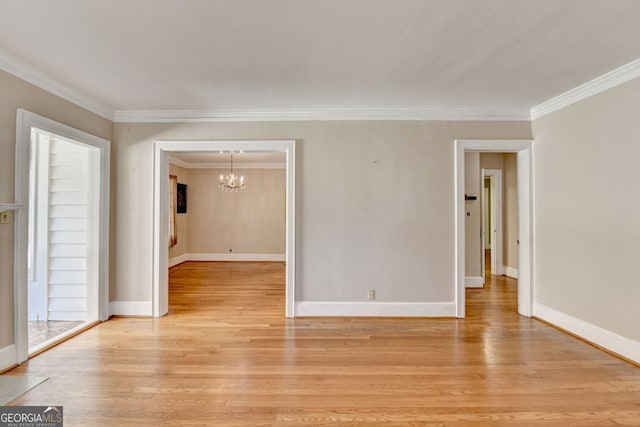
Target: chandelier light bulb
<point>231,182</point>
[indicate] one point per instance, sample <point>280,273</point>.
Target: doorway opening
<point>494,201</point>
<point>285,150</point>
<point>468,149</point>
<point>229,231</point>
<point>61,277</point>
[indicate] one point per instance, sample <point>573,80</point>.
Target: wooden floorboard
<point>226,355</point>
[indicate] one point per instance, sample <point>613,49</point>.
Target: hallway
<point>497,298</point>
<point>225,355</point>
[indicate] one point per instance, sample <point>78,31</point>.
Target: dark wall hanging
<point>181,199</point>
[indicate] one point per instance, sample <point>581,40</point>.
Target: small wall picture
<point>181,199</point>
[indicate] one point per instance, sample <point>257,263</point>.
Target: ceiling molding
<point>606,81</point>
<point>254,165</point>
<point>174,116</point>
<point>178,162</point>
<point>600,84</point>
<point>29,74</point>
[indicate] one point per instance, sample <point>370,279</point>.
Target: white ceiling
<point>320,54</point>
<point>209,159</point>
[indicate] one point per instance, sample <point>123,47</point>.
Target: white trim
<point>9,207</point>
<point>29,74</point>
<point>175,161</point>
<point>312,114</point>
<point>606,81</point>
<point>524,149</point>
<point>21,240</point>
<point>473,282</point>
<point>226,257</point>
<point>525,230</point>
<point>131,308</point>
<point>459,231</point>
<point>238,166</point>
<point>178,260</point>
<point>375,309</point>
<point>161,149</point>
<point>60,337</point>
<point>623,346</point>
<point>236,257</point>
<point>7,356</point>
<point>593,87</point>
<point>25,121</point>
<point>510,272</point>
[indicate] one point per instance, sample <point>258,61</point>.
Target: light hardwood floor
<point>225,355</point>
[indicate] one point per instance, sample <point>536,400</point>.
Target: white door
<point>60,229</point>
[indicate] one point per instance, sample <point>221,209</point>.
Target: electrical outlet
<point>4,217</point>
<point>372,294</point>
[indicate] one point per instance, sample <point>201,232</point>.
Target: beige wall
<point>491,160</point>
<point>587,234</point>
<point>510,210</point>
<point>248,222</point>
<point>375,204</point>
<point>473,215</point>
<point>14,94</point>
<point>182,220</point>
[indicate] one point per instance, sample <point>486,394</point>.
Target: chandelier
<point>231,182</point>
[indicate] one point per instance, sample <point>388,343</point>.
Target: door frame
<point>496,206</point>
<point>524,150</point>
<point>25,121</point>
<point>161,150</point>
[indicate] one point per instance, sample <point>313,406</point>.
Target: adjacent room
<point>227,221</point>
<point>320,212</point>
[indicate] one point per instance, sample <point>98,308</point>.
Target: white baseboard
<point>375,309</point>
<point>473,282</point>
<point>611,341</point>
<point>178,260</point>
<point>236,257</point>
<point>511,272</point>
<point>130,308</point>
<point>8,356</point>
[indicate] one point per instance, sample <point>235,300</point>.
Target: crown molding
<point>176,116</point>
<point>178,162</point>
<point>211,165</point>
<point>609,80</point>
<point>37,78</point>
<point>606,81</point>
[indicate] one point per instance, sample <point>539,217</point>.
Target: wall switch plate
<point>4,217</point>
